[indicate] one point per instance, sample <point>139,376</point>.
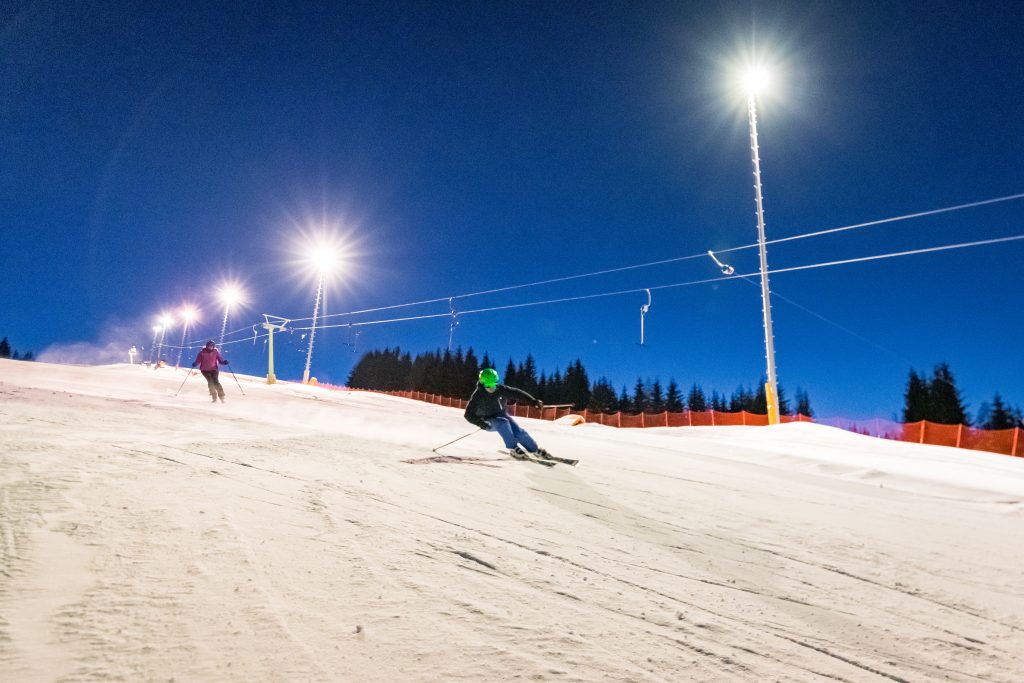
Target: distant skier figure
<point>209,361</point>
<point>486,409</point>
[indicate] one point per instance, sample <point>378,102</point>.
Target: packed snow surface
<point>297,534</point>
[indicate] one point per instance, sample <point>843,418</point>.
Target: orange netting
<point>1006,441</point>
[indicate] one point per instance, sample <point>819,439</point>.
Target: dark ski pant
<point>511,433</point>
<point>213,383</point>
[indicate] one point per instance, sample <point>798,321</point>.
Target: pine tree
<point>657,401</point>
<point>916,399</point>
<point>28,356</point>
<point>5,348</point>
<point>510,375</point>
<point>803,403</point>
<point>718,402</point>
<point>432,376</point>
<point>696,400</point>
<point>742,399</point>
<point>673,399</point>
<point>999,415</point>
<point>542,389</point>
<point>577,385</point>
<point>446,378</point>
<point>784,408</point>
<point>759,400</point>
<point>640,399</point>
<point>624,403</point>
<point>602,397</point>
<point>469,375</point>
<point>556,388</point>
<point>946,405</point>
<point>526,376</point>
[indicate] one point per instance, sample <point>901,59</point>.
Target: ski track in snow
<point>148,537</point>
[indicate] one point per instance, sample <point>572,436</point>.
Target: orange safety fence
<point>1005,441</point>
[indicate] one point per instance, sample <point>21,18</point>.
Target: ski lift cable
<point>678,259</point>
<point>608,271</point>
<point>585,297</point>
<point>826,264</point>
<point>908,216</point>
<point>776,295</point>
<point>909,252</point>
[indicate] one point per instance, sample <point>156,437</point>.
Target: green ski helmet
<point>489,377</point>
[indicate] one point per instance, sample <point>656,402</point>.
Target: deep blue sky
<point>145,154</point>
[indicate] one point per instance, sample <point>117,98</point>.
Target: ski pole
<point>183,383</point>
<point>236,381</point>
<point>458,439</point>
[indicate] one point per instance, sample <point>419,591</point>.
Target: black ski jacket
<point>483,405</point>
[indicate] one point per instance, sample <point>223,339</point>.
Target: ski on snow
<point>542,457</point>
<point>526,457</point>
<point>543,454</point>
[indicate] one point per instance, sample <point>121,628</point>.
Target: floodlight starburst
<point>756,80</point>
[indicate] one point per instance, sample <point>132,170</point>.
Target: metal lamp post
<point>229,296</point>
<point>186,319</point>
<point>756,80</point>
<point>152,347</point>
<point>165,322</point>
<point>312,329</point>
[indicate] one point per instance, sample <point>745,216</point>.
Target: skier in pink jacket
<point>209,361</point>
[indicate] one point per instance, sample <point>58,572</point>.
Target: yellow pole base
<point>773,404</point>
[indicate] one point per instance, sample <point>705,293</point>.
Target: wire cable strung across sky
<point>584,297</point>
<point>703,254</point>
<point>678,259</point>
<point>826,264</point>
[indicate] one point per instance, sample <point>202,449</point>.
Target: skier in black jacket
<point>486,409</point>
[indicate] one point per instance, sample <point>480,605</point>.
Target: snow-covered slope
<point>300,534</point>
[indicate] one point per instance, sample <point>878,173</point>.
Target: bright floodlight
<point>188,314</point>
<point>756,80</point>
<point>323,258</point>
<point>166,320</point>
<point>230,295</point>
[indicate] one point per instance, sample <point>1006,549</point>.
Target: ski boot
<point>518,453</point>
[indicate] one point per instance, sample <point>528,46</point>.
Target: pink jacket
<point>209,360</point>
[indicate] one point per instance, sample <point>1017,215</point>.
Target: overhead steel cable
<point>677,259</point>
<point>776,295</point>
<point>919,214</point>
<point>826,264</point>
<point>607,271</point>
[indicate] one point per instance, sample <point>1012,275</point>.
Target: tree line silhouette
<point>455,374</point>
<point>937,399</point>
<point>7,352</point>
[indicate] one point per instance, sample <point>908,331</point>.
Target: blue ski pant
<point>511,433</point>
